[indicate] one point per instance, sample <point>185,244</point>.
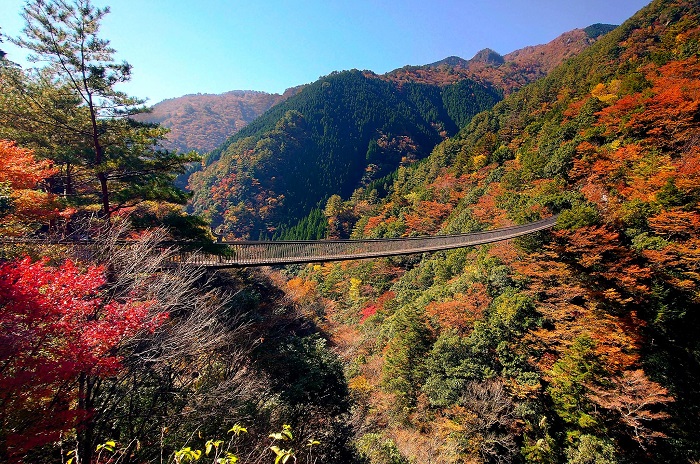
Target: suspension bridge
<point>267,253</point>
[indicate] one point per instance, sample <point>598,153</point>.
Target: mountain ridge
<point>247,185</point>
<point>202,121</point>
<point>508,72</point>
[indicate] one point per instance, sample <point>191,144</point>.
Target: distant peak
<point>452,61</point>
<point>488,56</point>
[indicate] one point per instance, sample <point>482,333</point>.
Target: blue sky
<point>212,46</point>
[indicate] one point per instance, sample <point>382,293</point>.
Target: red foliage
<point>372,308</point>
<point>368,311</point>
<point>55,328</point>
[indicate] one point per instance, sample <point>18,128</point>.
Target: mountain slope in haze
<point>574,346</point>
<point>508,72</point>
<point>339,133</point>
<point>202,122</point>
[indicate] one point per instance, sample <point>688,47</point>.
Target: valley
<point>576,343</point>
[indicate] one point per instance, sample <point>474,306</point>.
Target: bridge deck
<point>264,253</point>
<point>261,253</point>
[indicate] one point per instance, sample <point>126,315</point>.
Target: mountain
<point>508,72</point>
<point>203,121</point>
<point>578,345</point>
<point>451,61</point>
<point>341,132</point>
<point>487,57</point>
<point>542,59</point>
<point>348,130</point>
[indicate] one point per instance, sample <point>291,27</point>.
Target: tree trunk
<point>101,176</point>
<point>68,187</point>
<point>85,420</point>
<point>105,195</point>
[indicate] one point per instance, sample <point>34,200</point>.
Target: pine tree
<point>121,157</point>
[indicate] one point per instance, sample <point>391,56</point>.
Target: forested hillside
<point>575,346</point>
<point>202,122</point>
<point>351,129</point>
<point>508,72</point>
<point>110,349</point>
<point>339,133</point>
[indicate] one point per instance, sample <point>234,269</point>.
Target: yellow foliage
<point>360,385</point>
<point>607,93</point>
<point>479,161</point>
<point>354,292</point>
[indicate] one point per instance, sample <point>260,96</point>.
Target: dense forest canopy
<point>572,346</point>
<point>338,133</point>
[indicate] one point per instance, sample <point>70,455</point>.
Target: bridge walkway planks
<point>265,253</point>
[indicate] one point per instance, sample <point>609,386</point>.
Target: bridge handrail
<point>259,253</point>
<point>550,221</point>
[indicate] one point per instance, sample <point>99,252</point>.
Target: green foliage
<point>567,388</point>
<point>465,99</point>
<point>306,372</point>
<point>187,454</point>
<point>237,429</point>
<point>6,201</point>
<point>579,215</point>
<point>285,434</point>
<point>223,455</point>
<point>595,30</point>
<point>379,450</point>
<point>314,226</point>
<point>71,112</point>
<point>345,130</point>
<point>449,366</point>
<point>402,371</point>
<point>592,450</point>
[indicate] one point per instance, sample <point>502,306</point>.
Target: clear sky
<point>179,47</point>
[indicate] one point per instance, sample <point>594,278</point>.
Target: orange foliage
<point>19,167</point>
<point>675,223</point>
<point>23,173</point>
<point>600,255</point>
<point>571,308</point>
<point>447,188</point>
<point>667,113</point>
<point>373,222</point>
<point>461,312</point>
<point>688,171</point>
<point>300,289</point>
<point>428,217</point>
<point>486,210</point>
<point>637,401</point>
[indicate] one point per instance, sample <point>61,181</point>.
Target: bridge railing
<point>261,253</point>
<point>257,253</point>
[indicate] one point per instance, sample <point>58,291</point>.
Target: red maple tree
<point>57,331</point>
